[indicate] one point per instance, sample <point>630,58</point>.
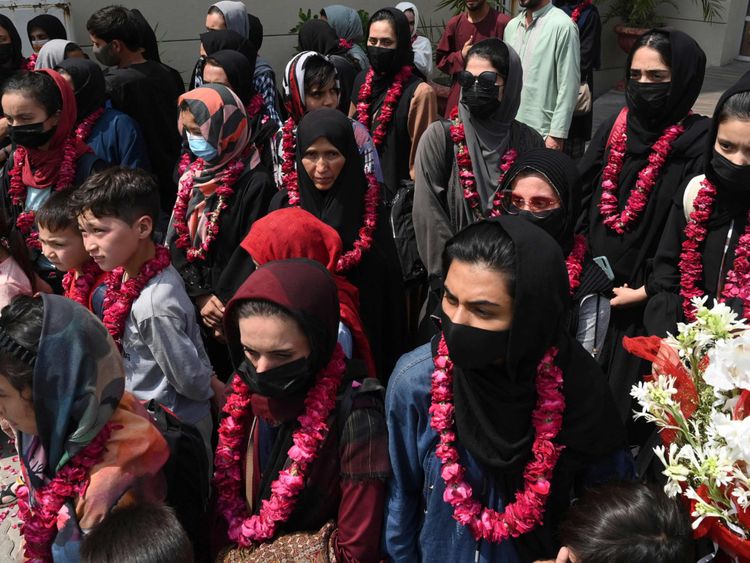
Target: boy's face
<point>111,242</point>
<point>64,249</point>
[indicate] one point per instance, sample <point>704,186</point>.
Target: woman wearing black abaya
<point>542,187</point>
<point>727,169</point>
<point>220,40</point>
<point>665,74</point>
<point>504,309</point>
<point>390,53</point>
<point>332,186</point>
<point>318,36</point>
<point>11,60</point>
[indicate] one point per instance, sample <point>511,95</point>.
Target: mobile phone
<point>603,263</point>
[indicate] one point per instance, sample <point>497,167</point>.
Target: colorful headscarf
<point>295,233</point>
<point>222,119</point>
<point>78,387</point>
<point>293,83</point>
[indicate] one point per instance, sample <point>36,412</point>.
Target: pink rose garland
<point>39,526</point>
<point>30,63</point>
<point>224,192</point>
<point>527,512</point>
<point>466,170</point>
<point>119,298</point>
<point>392,98</point>
<point>79,288</point>
<point>320,401</point>
<point>737,283</point>
<point>344,44</point>
<point>576,14</point>
<point>609,204</point>
<point>574,262</point>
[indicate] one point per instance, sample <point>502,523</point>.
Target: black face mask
<point>282,381</point>
<point>473,348</point>
<point>381,59</point>
<point>6,53</point>
<point>553,222</point>
<point>30,136</point>
<point>647,99</point>
<point>481,101</point>
<point>732,177</point>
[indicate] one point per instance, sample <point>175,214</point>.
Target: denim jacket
<point>419,523</point>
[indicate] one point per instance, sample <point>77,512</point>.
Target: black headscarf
<point>404,53</point>
<point>561,173</point>
<point>148,37</point>
<point>52,26</point>
<point>318,36</point>
<point>223,39</point>
<point>688,66</point>
<point>16,59</point>
<point>255,31</point>
<point>88,83</point>
<point>239,71</point>
<point>494,405</point>
<point>342,205</point>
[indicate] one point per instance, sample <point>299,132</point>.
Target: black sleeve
<point>591,39</point>
<point>590,167</point>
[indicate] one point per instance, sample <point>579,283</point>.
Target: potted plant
<point>638,16</point>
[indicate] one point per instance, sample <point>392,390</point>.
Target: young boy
<point>146,308</point>
<point>62,245</point>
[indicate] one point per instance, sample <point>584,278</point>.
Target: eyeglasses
<point>487,79</point>
<point>538,206</point>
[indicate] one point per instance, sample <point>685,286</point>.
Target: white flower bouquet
<point>698,395</point>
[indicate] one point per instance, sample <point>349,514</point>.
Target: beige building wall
<point>179,22</point>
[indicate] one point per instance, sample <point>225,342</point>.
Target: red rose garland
<point>344,44</point>
<point>17,190</point>
<point>527,512</point>
<point>79,289</point>
<point>466,170</point>
<point>737,284</point>
<point>30,63</point>
<point>576,14</point>
<point>352,257</point>
<point>254,106</point>
<point>320,401</point>
<point>120,296</point>
<point>39,526</point>
<point>574,262</point>
<point>608,205</point>
<point>392,98</point>
<point>224,192</point>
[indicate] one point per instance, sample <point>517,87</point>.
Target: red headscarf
<point>41,168</point>
<point>295,233</point>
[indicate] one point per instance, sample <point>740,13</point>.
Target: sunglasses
<point>487,79</point>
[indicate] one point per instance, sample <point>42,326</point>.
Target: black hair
<point>116,22</point>
<point>22,320</point>
<point>142,533</point>
<point>36,85</point>
<point>736,106</point>
<point>657,40</point>
<point>494,51</point>
<point>628,523</point>
<point>56,214</point>
<point>383,15</point>
<point>319,71</point>
<point>486,243</point>
<point>119,192</point>
<point>12,242</point>
<point>309,325</point>
<point>71,48</point>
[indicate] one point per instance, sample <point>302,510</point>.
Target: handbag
<point>299,547</point>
